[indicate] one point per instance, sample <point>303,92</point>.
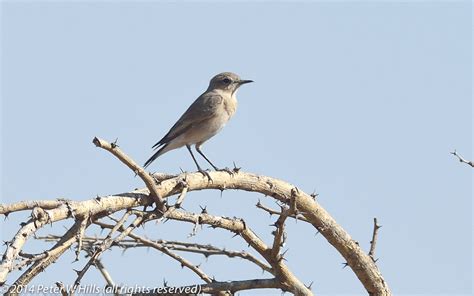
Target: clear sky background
<point>360,101</point>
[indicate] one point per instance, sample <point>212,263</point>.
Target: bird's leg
<point>198,149</point>
<point>197,164</point>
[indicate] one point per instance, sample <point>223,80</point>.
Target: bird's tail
<point>155,156</point>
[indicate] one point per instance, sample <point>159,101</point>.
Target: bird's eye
<point>226,80</point>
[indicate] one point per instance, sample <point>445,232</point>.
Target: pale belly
<point>200,133</point>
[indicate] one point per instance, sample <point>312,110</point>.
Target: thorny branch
<point>147,178</point>
<point>373,242</point>
<point>278,213</point>
<point>207,250</point>
<point>294,203</point>
<point>106,244</point>
<point>461,159</point>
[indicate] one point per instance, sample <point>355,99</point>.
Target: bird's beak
<point>244,81</point>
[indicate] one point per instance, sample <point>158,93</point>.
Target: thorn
<point>114,144</point>
<point>236,169</point>
<point>310,286</point>
<point>203,209</point>
<point>77,271</point>
<point>243,222</point>
<point>345,264</point>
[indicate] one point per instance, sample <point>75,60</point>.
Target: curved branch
<point>362,265</point>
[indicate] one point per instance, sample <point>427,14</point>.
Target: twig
<point>217,251</point>
<point>205,250</point>
<point>231,286</point>
<point>106,245</point>
<point>62,288</point>
<point>181,196</point>
<point>461,159</point>
<point>280,227</point>
<point>66,241</point>
<point>80,234</point>
<point>165,250</point>
<point>373,242</point>
<point>145,176</point>
<point>275,212</point>
<point>29,259</point>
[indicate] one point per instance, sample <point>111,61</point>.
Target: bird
<point>206,117</point>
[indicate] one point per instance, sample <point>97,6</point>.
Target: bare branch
<point>181,197</point>
<point>80,234</point>
<point>212,251</point>
<point>360,262</point>
<point>275,212</point>
<point>231,286</point>
<point>461,159</point>
<point>29,205</point>
<point>106,245</point>
<point>205,250</point>
<point>62,288</point>
<point>165,250</point>
<point>67,240</point>
<point>239,227</point>
<point>147,179</point>
<point>39,218</point>
<point>373,242</point>
<point>280,226</point>
<point>107,277</point>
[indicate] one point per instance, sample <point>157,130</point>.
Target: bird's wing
<point>203,108</point>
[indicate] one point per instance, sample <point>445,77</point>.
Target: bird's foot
<point>205,174</point>
<point>226,169</point>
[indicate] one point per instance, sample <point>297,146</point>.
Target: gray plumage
<point>204,118</point>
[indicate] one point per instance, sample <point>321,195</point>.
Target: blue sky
<point>360,101</point>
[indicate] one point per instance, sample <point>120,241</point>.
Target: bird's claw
<point>226,169</point>
<point>206,174</point>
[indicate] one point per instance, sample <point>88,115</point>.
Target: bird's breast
<point>230,106</point>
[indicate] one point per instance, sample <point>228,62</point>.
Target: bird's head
<point>227,81</point>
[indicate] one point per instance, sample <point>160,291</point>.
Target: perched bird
<point>203,119</point>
